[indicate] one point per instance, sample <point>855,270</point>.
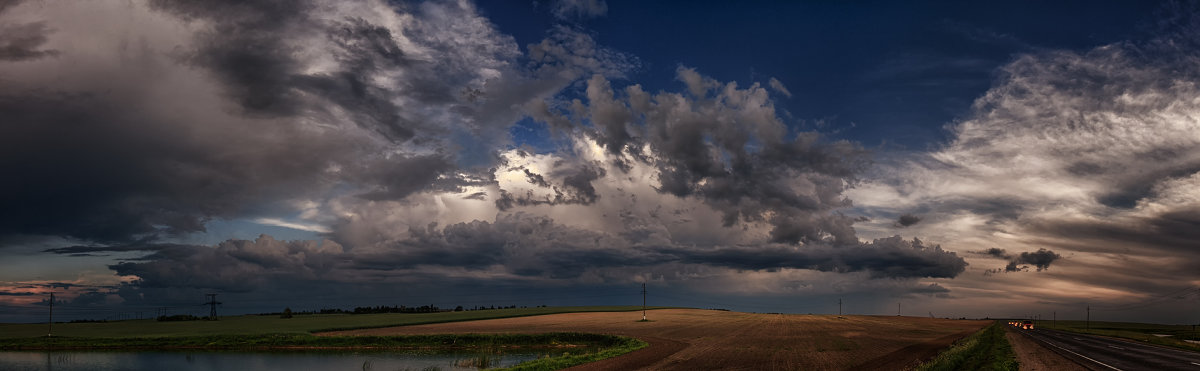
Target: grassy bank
<point>1164,335</point>
<point>983,350</point>
<point>260,325</point>
<point>568,349</point>
<point>625,345</point>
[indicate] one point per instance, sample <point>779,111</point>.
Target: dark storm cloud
<point>89,298</point>
<point>891,257</point>
<point>73,250</point>
<point>400,176</point>
<point>514,245</point>
<point>1172,232</point>
<point>20,42</point>
<point>995,252</point>
<point>907,220</point>
<point>90,170</point>
<point>521,243</point>
<point>7,4</point>
<point>933,290</point>
<point>536,179</point>
<point>108,154</point>
<point>232,266</point>
<point>252,48</point>
<point>575,188</point>
<point>726,146</point>
<point>1040,259</point>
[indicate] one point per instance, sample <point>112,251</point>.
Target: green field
<point>262,332</point>
<point>569,349</point>
<point>987,349</point>
<point>259,325</point>
<point>1145,332</point>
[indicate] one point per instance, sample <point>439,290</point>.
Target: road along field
<point>1105,353</point>
<point>693,339</point>
<point>1036,357</point>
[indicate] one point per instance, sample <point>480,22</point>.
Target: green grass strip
<point>987,349</point>
<point>567,360</point>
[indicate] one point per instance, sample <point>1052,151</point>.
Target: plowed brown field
<point>693,339</point>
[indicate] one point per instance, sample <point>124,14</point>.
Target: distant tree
<point>458,308</point>
<point>179,317</point>
<point>287,313</point>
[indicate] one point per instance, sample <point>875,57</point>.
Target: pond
<point>283,361</point>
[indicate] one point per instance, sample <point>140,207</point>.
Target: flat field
<point>693,339</point>
<point>259,325</point>
<point>1166,335</point>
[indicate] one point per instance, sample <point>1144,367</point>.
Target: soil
<point>1035,357</point>
<point>693,339</point>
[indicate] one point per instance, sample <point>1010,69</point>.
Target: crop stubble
<point>691,339</point>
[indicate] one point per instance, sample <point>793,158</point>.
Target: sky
<point>952,159</point>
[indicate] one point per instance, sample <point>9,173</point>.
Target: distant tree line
<point>179,317</point>
<point>288,312</point>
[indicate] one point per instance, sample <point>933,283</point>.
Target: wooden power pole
<point>643,301</point>
<point>50,324</point>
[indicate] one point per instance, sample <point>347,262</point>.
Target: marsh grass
<point>624,345</point>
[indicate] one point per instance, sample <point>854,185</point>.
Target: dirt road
<point>693,339</point>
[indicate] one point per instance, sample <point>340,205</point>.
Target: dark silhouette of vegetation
<point>287,313</point>
<point>179,317</point>
<point>394,309</point>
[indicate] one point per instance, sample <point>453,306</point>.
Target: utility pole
<point>212,302</point>
<point>897,308</point>
<point>839,307</point>
<point>50,328</point>
<point>1089,318</point>
<point>643,301</point>
<point>1054,323</point>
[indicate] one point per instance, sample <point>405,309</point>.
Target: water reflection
<point>283,361</point>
